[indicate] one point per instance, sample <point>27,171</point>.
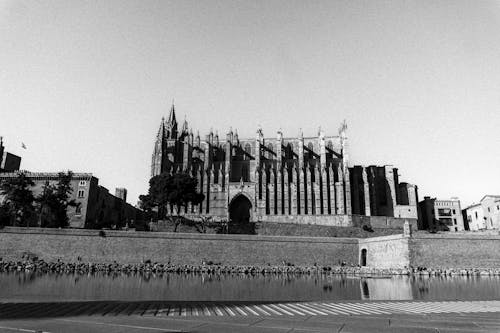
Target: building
<point>376,191</point>
<point>8,162</point>
<point>282,179</point>
<point>438,213</point>
<point>485,215</point>
<point>97,207</point>
<point>121,193</point>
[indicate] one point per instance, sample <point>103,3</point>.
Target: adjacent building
<point>280,178</point>
<point>121,193</point>
<point>376,191</point>
<point>485,215</point>
<point>97,208</point>
<point>8,162</point>
<point>437,214</point>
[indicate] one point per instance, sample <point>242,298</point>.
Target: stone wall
<point>378,222</point>
<point>455,251</point>
<point>326,220</point>
<point>385,252</point>
<point>383,222</point>
<point>406,211</point>
<point>424,250</point>
<point>134,247</point>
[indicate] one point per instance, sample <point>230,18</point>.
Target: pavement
<point>345,317</point>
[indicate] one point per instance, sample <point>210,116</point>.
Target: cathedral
<point>281,179</point>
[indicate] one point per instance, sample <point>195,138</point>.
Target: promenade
<point>321,316</point>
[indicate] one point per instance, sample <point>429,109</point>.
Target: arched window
<point>311,149</point>
<point>363,257</point>
<point>248,150</point>
<point>288,151</point>
<point>329,144</point>
<point>271,148</point>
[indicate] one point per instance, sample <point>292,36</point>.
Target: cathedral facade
<point>293,179</point>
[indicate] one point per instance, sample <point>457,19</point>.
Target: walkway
<point>243,309</point>
<point>342,317</point>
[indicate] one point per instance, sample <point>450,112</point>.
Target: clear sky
<point>84,84</point>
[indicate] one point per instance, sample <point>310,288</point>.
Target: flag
<point>23,145</point>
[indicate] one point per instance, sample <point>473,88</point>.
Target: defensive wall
<point>394,251</point>
<point>178,248</point>
<point>450,250</point>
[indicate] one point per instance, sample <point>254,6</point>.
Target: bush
<point>368,228</point>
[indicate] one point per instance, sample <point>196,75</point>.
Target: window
<point>78,210</point>
<point>81,193</point>
<point>476,214</point>
<point>444,212</point>
<point>498,207</point>
<point>446,220</point>
<point>454,212</point>
<point>454,221</point>
<point>488,209</point>
<point>82,183</point>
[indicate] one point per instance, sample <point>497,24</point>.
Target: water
<point>21,286</point>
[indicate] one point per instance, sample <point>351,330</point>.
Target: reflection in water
<point>365,292</point>
<point>36,286</point>
<point>395,288</point>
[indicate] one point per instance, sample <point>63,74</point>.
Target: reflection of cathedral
<point>283,177</point>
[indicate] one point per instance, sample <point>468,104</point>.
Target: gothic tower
<point>167,131</point>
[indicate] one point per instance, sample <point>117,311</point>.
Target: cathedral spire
<point>171,116</point>
<point>171,124</point>
<point>161,129</point>
<point>185,126</point>
<point>157,157</point>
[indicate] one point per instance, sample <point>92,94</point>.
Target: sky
<point>84,84</point>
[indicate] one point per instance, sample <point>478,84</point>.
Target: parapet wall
<point>326,220</point>
<point>379,222</point>
<point>135,247</point>
<point>382,222</point>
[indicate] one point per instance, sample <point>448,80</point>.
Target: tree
<point>147,204</point>
<point>177,190</point>
<point>54,202</point>
<point>18,199</point>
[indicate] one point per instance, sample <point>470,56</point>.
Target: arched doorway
<point>240,210</point>
<point>363,257</point>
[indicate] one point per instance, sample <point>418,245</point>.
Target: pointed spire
<point>161,129</point>
<point>197,140</point>
<point>171,124</point>
<point>171,116</point>
<point>185,126</point>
